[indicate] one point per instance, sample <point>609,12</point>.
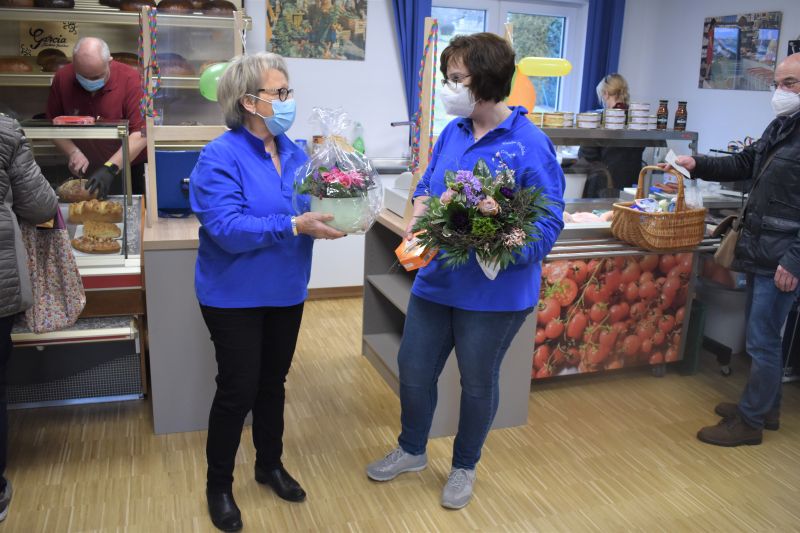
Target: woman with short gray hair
<point>252,272</point>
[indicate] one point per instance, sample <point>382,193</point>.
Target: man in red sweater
<point>95,85</point>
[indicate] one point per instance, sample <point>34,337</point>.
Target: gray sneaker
<point>395,463</point>
<point>5,500</point>
<point>458,490</point>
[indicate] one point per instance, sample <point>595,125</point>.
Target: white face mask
<point>459,101</point>
<point>785,102</point>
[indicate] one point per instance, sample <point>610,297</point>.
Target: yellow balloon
<point>544,66</point>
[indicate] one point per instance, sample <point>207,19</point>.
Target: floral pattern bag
<point>58,296</point>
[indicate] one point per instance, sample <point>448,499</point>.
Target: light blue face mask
<point>282,118</point>
<point>91,85</point>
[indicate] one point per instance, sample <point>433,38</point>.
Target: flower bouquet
<point>486,214</point>
<point>337,180</point>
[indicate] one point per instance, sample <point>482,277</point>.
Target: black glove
<point>101,180</point>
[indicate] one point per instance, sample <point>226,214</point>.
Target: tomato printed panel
<point>610,313</point>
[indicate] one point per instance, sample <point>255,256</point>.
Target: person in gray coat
<point>26,195</point>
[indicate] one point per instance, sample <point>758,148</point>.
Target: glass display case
<point>124,211</point>
<point>187,44</point>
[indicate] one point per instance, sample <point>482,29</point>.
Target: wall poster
<point>740,51</point>
<point>319,29</point>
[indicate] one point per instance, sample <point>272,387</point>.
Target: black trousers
<point>254,350</point>
<point>6,323</point>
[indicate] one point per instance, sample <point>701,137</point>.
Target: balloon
<point>544,66</point>
<point>209,80</point>
<point>522,91</point>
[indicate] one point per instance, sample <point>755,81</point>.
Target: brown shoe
<point>730,432</point>
<point>729,410</point>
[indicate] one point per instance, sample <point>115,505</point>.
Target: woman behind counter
<point>461,307</point>
<point>611,168</point>
<point>251,277</point>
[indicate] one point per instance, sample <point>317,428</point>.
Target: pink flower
<point>447,196</point>
<point>328,177</point>
<point>344,179</point>
<point>489,207</point>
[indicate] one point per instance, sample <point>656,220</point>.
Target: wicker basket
<point>659,232</point>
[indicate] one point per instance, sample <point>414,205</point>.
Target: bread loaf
<point>15,65</point>
<point>93,245</point>
<point>74,190</point>
<point>55,63</point>
<point>47,54</point>
<point>126,58</point>
<point>135,5</point>
<point>176,7</point>
<point>171,64</point>
<point>101,230</point>
<point>97,210</point>
<point>58,4</point>
<point>16,3</point>
<point>218,8</point>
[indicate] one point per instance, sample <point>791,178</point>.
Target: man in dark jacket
<point>24,194</point>
<point>769,251</point>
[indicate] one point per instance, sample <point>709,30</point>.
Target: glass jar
<point>662,115</point>
<point>680,117</point>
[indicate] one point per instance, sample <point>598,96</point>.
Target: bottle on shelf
<point>662,115</point>
<point>358,138</point>
<point>680,117</point>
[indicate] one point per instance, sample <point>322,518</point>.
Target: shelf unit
<point>387,291</point>
<point>629,138</point>
<point>96,14</point>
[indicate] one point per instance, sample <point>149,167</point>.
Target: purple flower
<point>471,186</point>
<point>460,220</point>
<point>507,192</point>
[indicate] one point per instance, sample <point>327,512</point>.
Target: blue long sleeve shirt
<point>526,150</point>
<point>248,256</point>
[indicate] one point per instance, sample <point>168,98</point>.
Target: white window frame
<point>575,11</point>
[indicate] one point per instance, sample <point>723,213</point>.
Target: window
<point>544,28</point>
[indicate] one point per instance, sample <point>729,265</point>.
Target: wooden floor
<point>603,453</point>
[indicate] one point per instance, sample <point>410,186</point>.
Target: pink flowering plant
<point>482,213</point>
<point>333,182</point>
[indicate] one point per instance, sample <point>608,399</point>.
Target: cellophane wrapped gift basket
<point>338,180</point>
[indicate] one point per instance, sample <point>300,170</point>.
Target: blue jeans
<point>481,340</point>
<point>767,309</point>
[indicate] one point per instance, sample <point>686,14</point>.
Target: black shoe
<point>284,485</point>
<point>225,515</point>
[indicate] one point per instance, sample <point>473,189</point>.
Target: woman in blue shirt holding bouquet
<point>460,307</point>
<point>251,277</point>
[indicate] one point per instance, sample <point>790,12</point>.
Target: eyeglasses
<point>282,93</point>
<point>454,82</point>
<point>786,84</point>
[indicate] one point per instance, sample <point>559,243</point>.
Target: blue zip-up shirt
<point>529,152</point>
<point>248,256</point>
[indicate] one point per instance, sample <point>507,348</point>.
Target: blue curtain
<point>603,40</point>
<point>409,16</point>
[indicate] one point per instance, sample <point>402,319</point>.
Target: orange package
<point>413,256</point>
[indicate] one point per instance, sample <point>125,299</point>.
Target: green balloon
<point>209,80</point>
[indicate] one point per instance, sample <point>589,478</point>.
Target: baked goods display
<point>48,54</point>
<point>97,210</point>
<point>218,8</point>
<point>101,230</point>
<point>57,4</point>
<point>96,245</point>
<point>176,7</point>
<point>74,190</point>
<point>126,58</point>
<point>135,5</point>
<point>14,65</point>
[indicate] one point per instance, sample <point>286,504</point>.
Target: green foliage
<point>484,228</point>
<point>458,229</point>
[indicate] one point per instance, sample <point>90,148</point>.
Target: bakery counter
<point>182,363</point>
